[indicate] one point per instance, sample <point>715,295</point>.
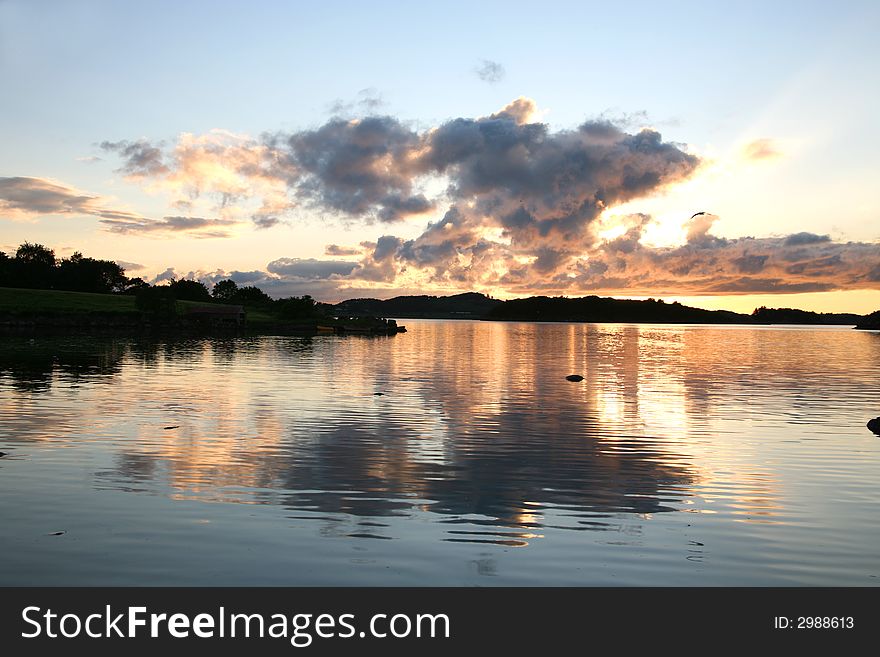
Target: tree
<point>250,295</point>
<point>35,254</point>
<point>133,285</point>
<point>189,290</point>
<point>90,275</point>
<point>296,307</point>
<point>33,267</point>
<point>225,291</point>
<point>5,270</point>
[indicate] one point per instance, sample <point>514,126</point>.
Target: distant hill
<point>870,322</point>
<point>764,315</point>
<point>470,305</point>
<point>606,309</point>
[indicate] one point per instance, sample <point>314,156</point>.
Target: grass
<point>18,300</point>
<point>22,301</point>
<point>25,301</point>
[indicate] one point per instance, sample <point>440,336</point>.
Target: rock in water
<point>874,425</point>
<point>574,377</point>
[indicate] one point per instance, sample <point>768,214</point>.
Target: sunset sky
<point>344,149</point>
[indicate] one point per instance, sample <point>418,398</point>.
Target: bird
<point>574,377</point>
<point>874,425</point>
<point>697,214</point>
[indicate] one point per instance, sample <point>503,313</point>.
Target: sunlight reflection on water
<point>688,455</point>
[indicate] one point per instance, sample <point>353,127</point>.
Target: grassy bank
<point>21,301</point>
<point>27,309</point>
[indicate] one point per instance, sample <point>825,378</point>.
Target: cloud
<point>264,221</point>
<point>130,266</point>
<point>806,238</point>
<point>310,268</point>
<point>193,226</point>
<point>705,264</point>
<point>24,197</point>
<point>336,250</point>
<point>489,71</point>
<point>31,196</point>
<point>139,158</point>
<point>368,101</point>
<point>522,206</point>
<point>359,167</point>
<point>761,149</point>
<point>221,166</point>
<point>376,168</point>
<point>167,275</point>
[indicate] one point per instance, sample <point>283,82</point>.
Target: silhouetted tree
<point>5,269</point>
<point>90,275</point>
<point>250,295</point>
<point>133,285</point>
<point>295,307</point>
<point>34,266</point>
<point>189,290</point>
<point>225,291</point>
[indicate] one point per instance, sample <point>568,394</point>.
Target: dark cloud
<point>386,246</point>
<point>140,158</point>
<point>806,238</point>
<point>336,250</point>
<point>522,207</point>
<point>547,188</point>
<point>374,168</point>
<point>310,268</point>
<point>750,264</point>
<point>264,221</point>
<point>358,167</point>
<point>396,207</point>
<point>489,71</point>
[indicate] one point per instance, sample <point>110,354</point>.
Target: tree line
<point>34,266</point>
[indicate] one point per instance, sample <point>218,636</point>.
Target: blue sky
<point>800,76</point>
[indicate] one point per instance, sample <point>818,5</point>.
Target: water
<point>689,455</point>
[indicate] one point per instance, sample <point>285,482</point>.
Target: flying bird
<point>697,214</point>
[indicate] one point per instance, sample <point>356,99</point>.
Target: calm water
<point>688,456</point>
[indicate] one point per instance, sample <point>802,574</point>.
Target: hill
<point>470,305</point>
<point>870,322</point>
<point>764,315</point>
<point>606,309</point>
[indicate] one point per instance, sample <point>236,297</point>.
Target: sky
<point>725,157</point>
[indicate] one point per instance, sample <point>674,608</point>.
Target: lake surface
<point>454,454</point>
